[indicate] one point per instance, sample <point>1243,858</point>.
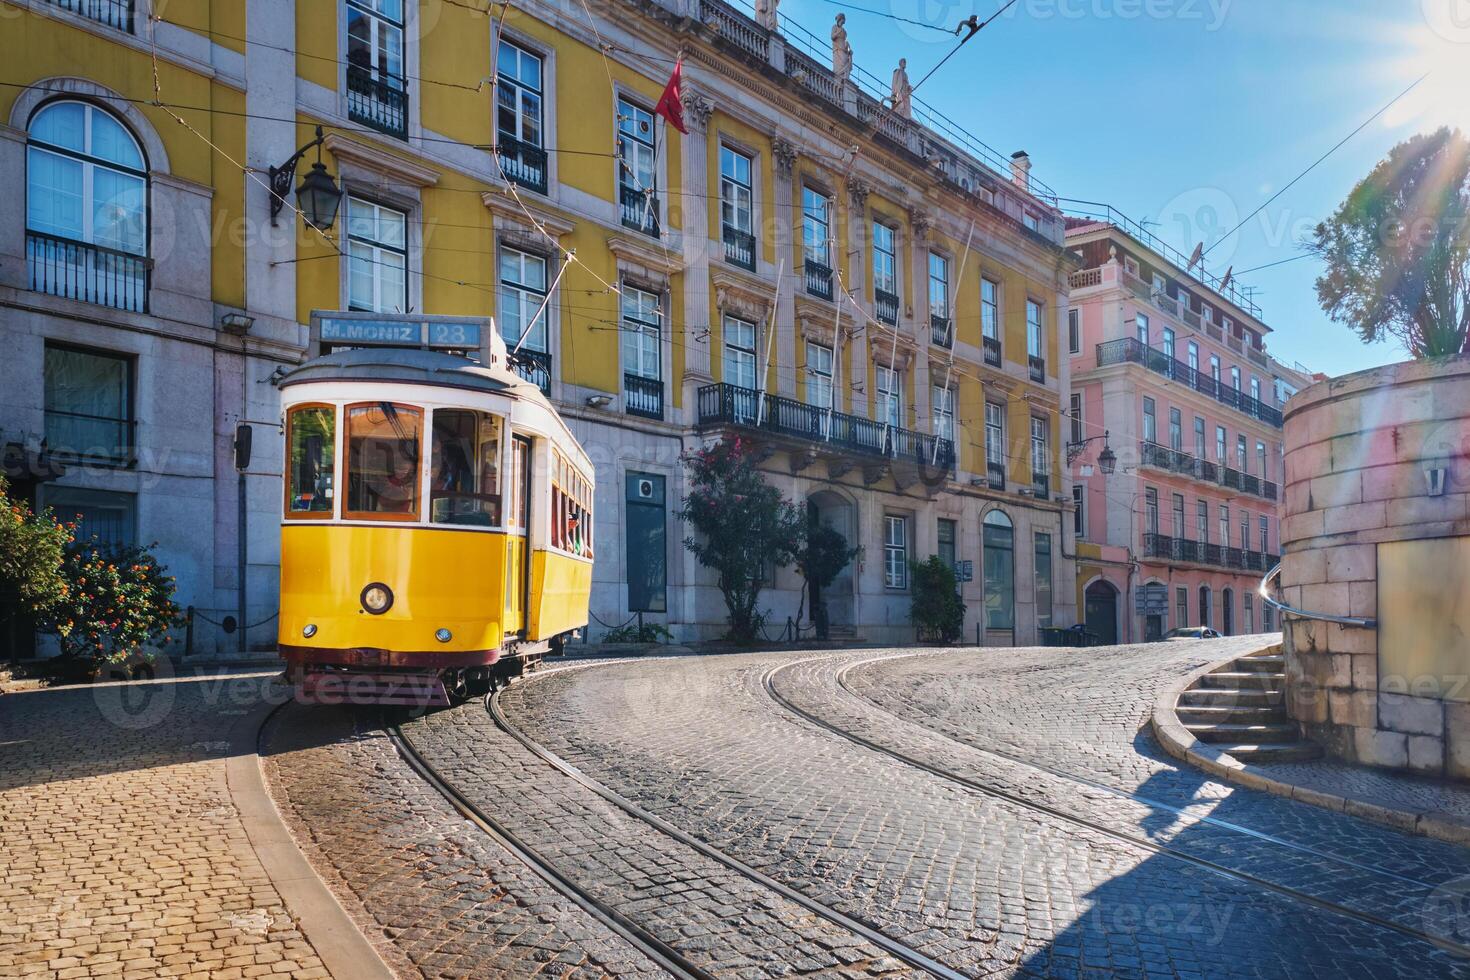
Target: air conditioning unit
<point>645,489</point>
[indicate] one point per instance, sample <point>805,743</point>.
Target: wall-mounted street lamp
<point>1107,460</point>
<point>318,196</point>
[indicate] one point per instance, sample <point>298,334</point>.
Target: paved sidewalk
<point>121,850</point>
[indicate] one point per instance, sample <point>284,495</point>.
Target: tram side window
<point>312,462</point>
<point>383,461</point>
<point>571,525</point>
<point>464,471</point>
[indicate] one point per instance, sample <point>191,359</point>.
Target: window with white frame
<point>1241,455</point>
<point>890,395</point>
<point>1077,417</point>
<point>995,436</point>
<point>895,551</point>
<point>1176,430</point>
<point>736,198</point>
<point>522,293</point>
<point>86,191</point>
<point>739,366</point>
<point>1079,510</point>
<point>637,176</point>
<point>642,333</point>
<point>519,94</point>
<point>990,308</point>
<point>377,257</point>
<point>1199,437</point>
<point>1035,346</point>
<point>1040,452</point>
<point>938,285</point>
<point>943,402</point>
<point>819,390</point>
<point>1245,530</point>
<point>1202,520</point>
<point>1150,422</point>
<point>816,227</point>
<point>1074,331</point>
<point>1220,444</point>
<point>1215,368</point>
<point>1141,322</point>
<point>1261,460</point>
<point>1255,387</point>
<point>375,75</point>
<point>1151,510</point>
<point>1225,525</point>
<point>1235,377</point>
<point>1193,356</point>
<point>1265,528</point>
<point>885,259</point>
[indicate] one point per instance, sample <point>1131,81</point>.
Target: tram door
<point>518,541</point>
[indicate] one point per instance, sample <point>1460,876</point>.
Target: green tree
<point>936,610</point>
<point>118,603</point>
<point>31,550</point>
<point>743,526</point>
<point>1398,249</point>
<point>823,555</point>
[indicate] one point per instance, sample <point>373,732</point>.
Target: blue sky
<point>1192,113</point>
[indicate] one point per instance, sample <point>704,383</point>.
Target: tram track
<point>1143,843</point>
<point>864,930</point>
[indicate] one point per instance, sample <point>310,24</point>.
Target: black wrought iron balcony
<point>1037,366</point>
<point>95,438</point>
<point>639,209</point>
<point>378,101</point>
<point>643,396</point>
<point>992,350</point>
<point>1131,350</point>
<point>885,306</point>
<point>818,278</point>
<point>941,330</point>
<point>995,475</point>
<point>1176,461</point>
<point>91,273</point>
<point>534,366</point>
<point>1041,486</point>
<point>521,162</point>
<point>1163,546</point>
<point>113,13</point>
<point>739,248</point>
<point>726,404</point>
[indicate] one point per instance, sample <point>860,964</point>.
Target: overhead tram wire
<point>1315,163</point>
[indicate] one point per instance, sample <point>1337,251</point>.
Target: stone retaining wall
<point>1357,449</point>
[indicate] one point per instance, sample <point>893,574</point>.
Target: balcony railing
<point>818,278</point>
<point>534,366</point>
<point>726,404</point>
<point>1175,461</point>
<point>1132,350</point>
<point>76,435</point>
<point>91,273</point>
<point>1157,545</point>
<point>381,103</point>
<point>885,306</point>
<point>643,396</point>
<point>995,475</point>
<point>941,330</point>
<point>639,209</point>
<point>992,350</point>
<point>1041,486</point>
<point>1037,367</point>
<point>740,248</point>
<point>113,13</point>
<point>522,163</point>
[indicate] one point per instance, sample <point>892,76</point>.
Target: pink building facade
<point>1172,367</point>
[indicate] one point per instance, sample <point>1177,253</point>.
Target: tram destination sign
<point>345,329</point>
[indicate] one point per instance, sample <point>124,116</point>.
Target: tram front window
<point>383,462</point>
<point>311,435</point>
<point>464,472</point>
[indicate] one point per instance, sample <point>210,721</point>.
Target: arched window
<point>1227,612</point>
<point>86,207</point>
<point>1204,606</point>
<point>999,539</point>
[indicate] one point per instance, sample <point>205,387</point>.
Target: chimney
<point>1021,170</point>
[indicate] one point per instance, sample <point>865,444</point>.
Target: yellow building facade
<point>867,293</point>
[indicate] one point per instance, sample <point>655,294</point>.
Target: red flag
<point>671,104</point>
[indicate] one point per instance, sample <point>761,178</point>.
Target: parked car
<point>1192,633</point>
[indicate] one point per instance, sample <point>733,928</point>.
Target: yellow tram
<point>436,534</point>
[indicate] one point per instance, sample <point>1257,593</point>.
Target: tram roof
<point>406,365</point>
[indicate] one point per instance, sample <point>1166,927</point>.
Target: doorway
<point>517,538</point>
<point>1101,611</point>
<point>834,607</point>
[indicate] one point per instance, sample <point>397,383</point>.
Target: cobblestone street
<point>861,813</point>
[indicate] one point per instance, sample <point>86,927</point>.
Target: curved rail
<point>1360,622</point>
<point>866,931</point>
<point>645,942</point>
<point>1443,942</point>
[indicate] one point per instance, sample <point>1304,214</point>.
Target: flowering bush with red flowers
<point>31,549</point>
<point>119,604</point>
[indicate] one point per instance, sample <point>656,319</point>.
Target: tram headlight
<point>309,630</point>
<point>443,635</point>
<point>377,598</point>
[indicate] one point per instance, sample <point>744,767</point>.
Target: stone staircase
<point>1240,709</point>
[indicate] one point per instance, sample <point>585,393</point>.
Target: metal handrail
<point>1265,591</point>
